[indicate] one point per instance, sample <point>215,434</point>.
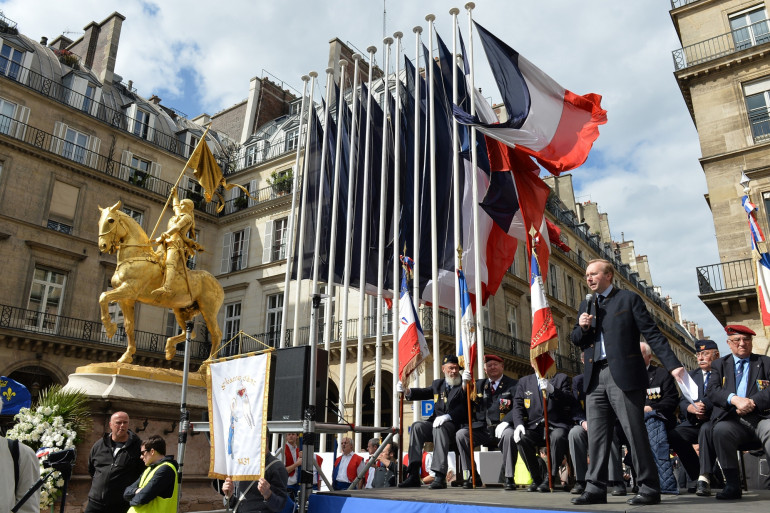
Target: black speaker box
<point>289,380</point>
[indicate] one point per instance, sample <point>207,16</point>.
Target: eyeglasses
<point>737,340</point>
<point>143,451</point>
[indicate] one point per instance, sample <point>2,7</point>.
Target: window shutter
<point>245,250</point>
<point>125,163</point>
<point>226,253</point>
<point>252,192</point>
<point>267,242</point>
<point>95,142</point>
<point>154,173</point>
<point>59,129</point>
<point>151,127</point>
<point>22,116</point>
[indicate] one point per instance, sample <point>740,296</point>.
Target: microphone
<point>591,309</point>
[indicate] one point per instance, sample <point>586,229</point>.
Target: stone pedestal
<point>152,399</point>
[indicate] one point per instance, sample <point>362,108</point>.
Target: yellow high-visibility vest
<point>158,504</point>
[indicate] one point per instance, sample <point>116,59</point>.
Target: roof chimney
<point>44,41</point>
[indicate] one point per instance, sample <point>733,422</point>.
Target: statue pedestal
<point>152,399</point>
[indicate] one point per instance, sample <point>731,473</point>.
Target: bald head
<point>119,426</point>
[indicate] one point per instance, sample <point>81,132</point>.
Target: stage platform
<point>495,499</point>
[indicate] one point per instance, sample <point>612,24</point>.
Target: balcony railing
<point>45,141</point>
<point>734,41</point>
<point>268,193</point>
<point>82,330</point>
<point>680,3</point>
<point>250,156</point>
<point>726,276</point>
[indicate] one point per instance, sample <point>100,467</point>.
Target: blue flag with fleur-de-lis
<point>15,396</point>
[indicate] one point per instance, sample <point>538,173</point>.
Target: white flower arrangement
<point>54,425</point>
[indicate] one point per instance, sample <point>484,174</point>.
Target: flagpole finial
<point>398,35</point>
<point>454,11</point>
<point>429,18</point>
<point>357,57</point>
<point>329,71</point>
<point>388,41</point>
<point>470,6</point>
<point>305,78</point>
<point>344,63</point>
<point>372,50</point>
<point>313,74</point>
<point>417,29</point>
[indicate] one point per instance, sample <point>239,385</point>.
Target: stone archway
<point>35,374</point>
<point>386,400</point>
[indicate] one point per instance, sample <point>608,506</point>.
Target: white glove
<point>440,420</point>
<point>518,433</point>
<point>500,428</point>
<point>545,385</point>
<point>467,375</point>
<point>399,387</point>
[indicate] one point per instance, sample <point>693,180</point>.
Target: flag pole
<point>388,41</point>
<point>433,207</point>
<point>313,336</point>
<point>474,166</point>
<point>330,288</point>
<point>179,178</point>
<point>396,211</point>
<point>352,157</point>
<point>303,214</point>
<point>290,235</point>
<point>364,243</point>
<point>456,176</point>
<point>416,412</point>
<point>468,386</point>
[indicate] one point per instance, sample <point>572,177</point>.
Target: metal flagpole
<point>456,179</point>
<point>416,412</point>
<point>381,252</point>
<point>330,288</point>
<point>184,416</point>
<point>290,234</point>
<point>433,222</point>
<point>474,165</point>
<point>303,213</point>
<point>363,253</point>
<point>352,159</point>
<point>396,220</point>
<point>314,287</point>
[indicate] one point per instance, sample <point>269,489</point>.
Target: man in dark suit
<point>523,428</point>
<point>608,330</point>
<point>739,388</point>
<point>694,417</point>
<point>449,413</point>
<point>494,395</point>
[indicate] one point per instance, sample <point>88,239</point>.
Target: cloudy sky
<point>199,56</point>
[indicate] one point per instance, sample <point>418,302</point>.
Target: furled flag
<point>209,174</point>
<point>466,343</point>
<point>762,259</point>
<point>545,120</point>
<point>544,336</point>
<point>14,396</point>
<point>412,347</point>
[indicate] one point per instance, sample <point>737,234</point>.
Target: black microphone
<point>591,309</point>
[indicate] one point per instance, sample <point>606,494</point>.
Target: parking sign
<point>427,408</point>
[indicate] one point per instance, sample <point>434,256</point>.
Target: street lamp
<point>745,182</point>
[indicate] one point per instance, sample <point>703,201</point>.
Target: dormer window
<point>292,137</point>
<point>141,124</point>
<point>10,61</point>
<point>88,98</point>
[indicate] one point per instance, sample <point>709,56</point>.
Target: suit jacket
<point>579,394</point>
<point>623,317</point>
<point>662,395</point>
<point>447,400</point>
<point>722,384</point>
<point>528,404</point>
<point>487,404</point>
<point>687,418</point>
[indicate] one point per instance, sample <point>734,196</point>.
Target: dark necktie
<point>492,386</point>
<point>740,390</point>
<point>601,299</point>
<point>706,381</point>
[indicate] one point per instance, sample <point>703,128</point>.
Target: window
<point>193,143</point>
<point>758,108</point>
<point>141,124</point>
<point>235,251</point>
<point>64,201</point>
<point>75,144</point>
<point>232,327</point>
<point>279,238</point>
<point>45,299</point>
<point>139,171</point>
<point>512,319</point>
<point>137,215</point>
<point>7,110</point>
<point>10,61</point>
<point>749,28</point>
<point>553,279</point>
<point>387,317</point>
<point>88,98</point>
<point>570,291</point>
<point>292,137</point>
<point>274,315</point>
<point>172,327</point>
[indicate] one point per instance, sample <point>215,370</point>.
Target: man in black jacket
<point>449,411</point>
<point>115,462</point>
<point>608,330</point>
<point>157,489</point>
<point>739,388</point>
<point>268,494</point>
<point>494,395</point>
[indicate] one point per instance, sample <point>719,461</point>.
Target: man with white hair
<point>19,470</point>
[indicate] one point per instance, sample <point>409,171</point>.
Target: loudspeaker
<point>289,379</point>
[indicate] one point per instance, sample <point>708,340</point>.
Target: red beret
<point>738,329</point>
<point>489,357</point>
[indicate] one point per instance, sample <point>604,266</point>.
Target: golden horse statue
<point>140,272</point>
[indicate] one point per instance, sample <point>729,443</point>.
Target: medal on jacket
<point>435,398</point>
<point>762,384</point>
<point>527,400</point>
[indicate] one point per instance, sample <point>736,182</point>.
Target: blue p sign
<point>427,408</point>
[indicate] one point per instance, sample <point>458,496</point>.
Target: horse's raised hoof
<point>126,358</point>
<point>170,351</point>
<point>110,328</point>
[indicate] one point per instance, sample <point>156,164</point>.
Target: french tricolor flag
<point>412,347</point>
<point>544,336</point>
<point>552,124</point>
<point>762,259</point>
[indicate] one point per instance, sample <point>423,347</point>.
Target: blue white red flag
<point>412,347</point>
<point>466,342</point>
<point>762,261</point>
<point>544,336</point>
<point>554,125</point>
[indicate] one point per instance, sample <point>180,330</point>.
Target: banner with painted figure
<point>237,392</point>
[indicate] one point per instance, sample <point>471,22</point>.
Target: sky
<point>643,171</point>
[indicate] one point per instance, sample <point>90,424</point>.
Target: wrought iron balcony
<point>713,48</point>
<point>726,276</point>
<point>675,4</point>
<point>86,331</point>
<point>268,193</point>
